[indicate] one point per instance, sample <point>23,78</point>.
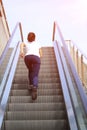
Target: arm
<point>22,50</point>
<point>40,51</point>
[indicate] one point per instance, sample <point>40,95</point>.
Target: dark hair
<point>31,37</point>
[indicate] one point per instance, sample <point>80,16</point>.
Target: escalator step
<point>40,99</point>
<point>36,115</point>
<point>41,80</point>
<point>45,92</point>
<point>36,125</point>
<point>35,106</point>
<point>40,86</point>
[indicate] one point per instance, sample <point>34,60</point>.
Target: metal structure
<point>75,99</point>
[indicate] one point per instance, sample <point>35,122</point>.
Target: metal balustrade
<point>68,102</point>
<point>5,85</point>
<point>78,96</point>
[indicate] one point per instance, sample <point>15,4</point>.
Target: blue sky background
<point>39,15</point>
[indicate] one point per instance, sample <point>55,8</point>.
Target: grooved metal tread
<point>36,125</point>
<point>39,92</point>
<point>40,99</point>
<point>33,106</point>
<point>36,115</point>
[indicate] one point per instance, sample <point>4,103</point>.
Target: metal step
<point>36,115</point>
<point>40,86</point>
<point>41,75</point>
<point>45,70</point>
<point>41,80</point>
<point>40,99</point>
<point>45,92</point>
<point>33,106</point>
<point>36,125</point>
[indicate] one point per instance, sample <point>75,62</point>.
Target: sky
<point>39,16</point>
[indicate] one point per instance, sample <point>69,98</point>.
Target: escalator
<point>48,111</point>
<point>61,103</point>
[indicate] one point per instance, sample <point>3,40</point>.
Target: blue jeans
<point>33,64</point>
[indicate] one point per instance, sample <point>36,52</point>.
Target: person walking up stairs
<point>32,61</point>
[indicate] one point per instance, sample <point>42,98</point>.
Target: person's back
<point>33,48</point>
<point>32,61</point>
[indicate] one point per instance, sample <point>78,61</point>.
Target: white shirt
<point>32,48</point>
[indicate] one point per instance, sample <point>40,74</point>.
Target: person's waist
<point>32,54</point>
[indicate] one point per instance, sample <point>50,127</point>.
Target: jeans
<point>33,64</point>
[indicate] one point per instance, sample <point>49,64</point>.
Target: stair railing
<point>79,117</point>
<point>79,59</point>
<point>5,86</point>
<point>68,103</point>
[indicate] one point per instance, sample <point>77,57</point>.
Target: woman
<point>32,61</point>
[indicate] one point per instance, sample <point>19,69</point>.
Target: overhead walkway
<point>59,105</point>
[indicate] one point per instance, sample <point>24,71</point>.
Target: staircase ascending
<point>48,111</point>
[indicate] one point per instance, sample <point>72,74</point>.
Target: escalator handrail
<point>10,70</point>
<point>67,99</point>
<point>74,72</point>
<point>2,85</point>
<point>3,82</point>
<point>8,85</point>
<point>71,90</point>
